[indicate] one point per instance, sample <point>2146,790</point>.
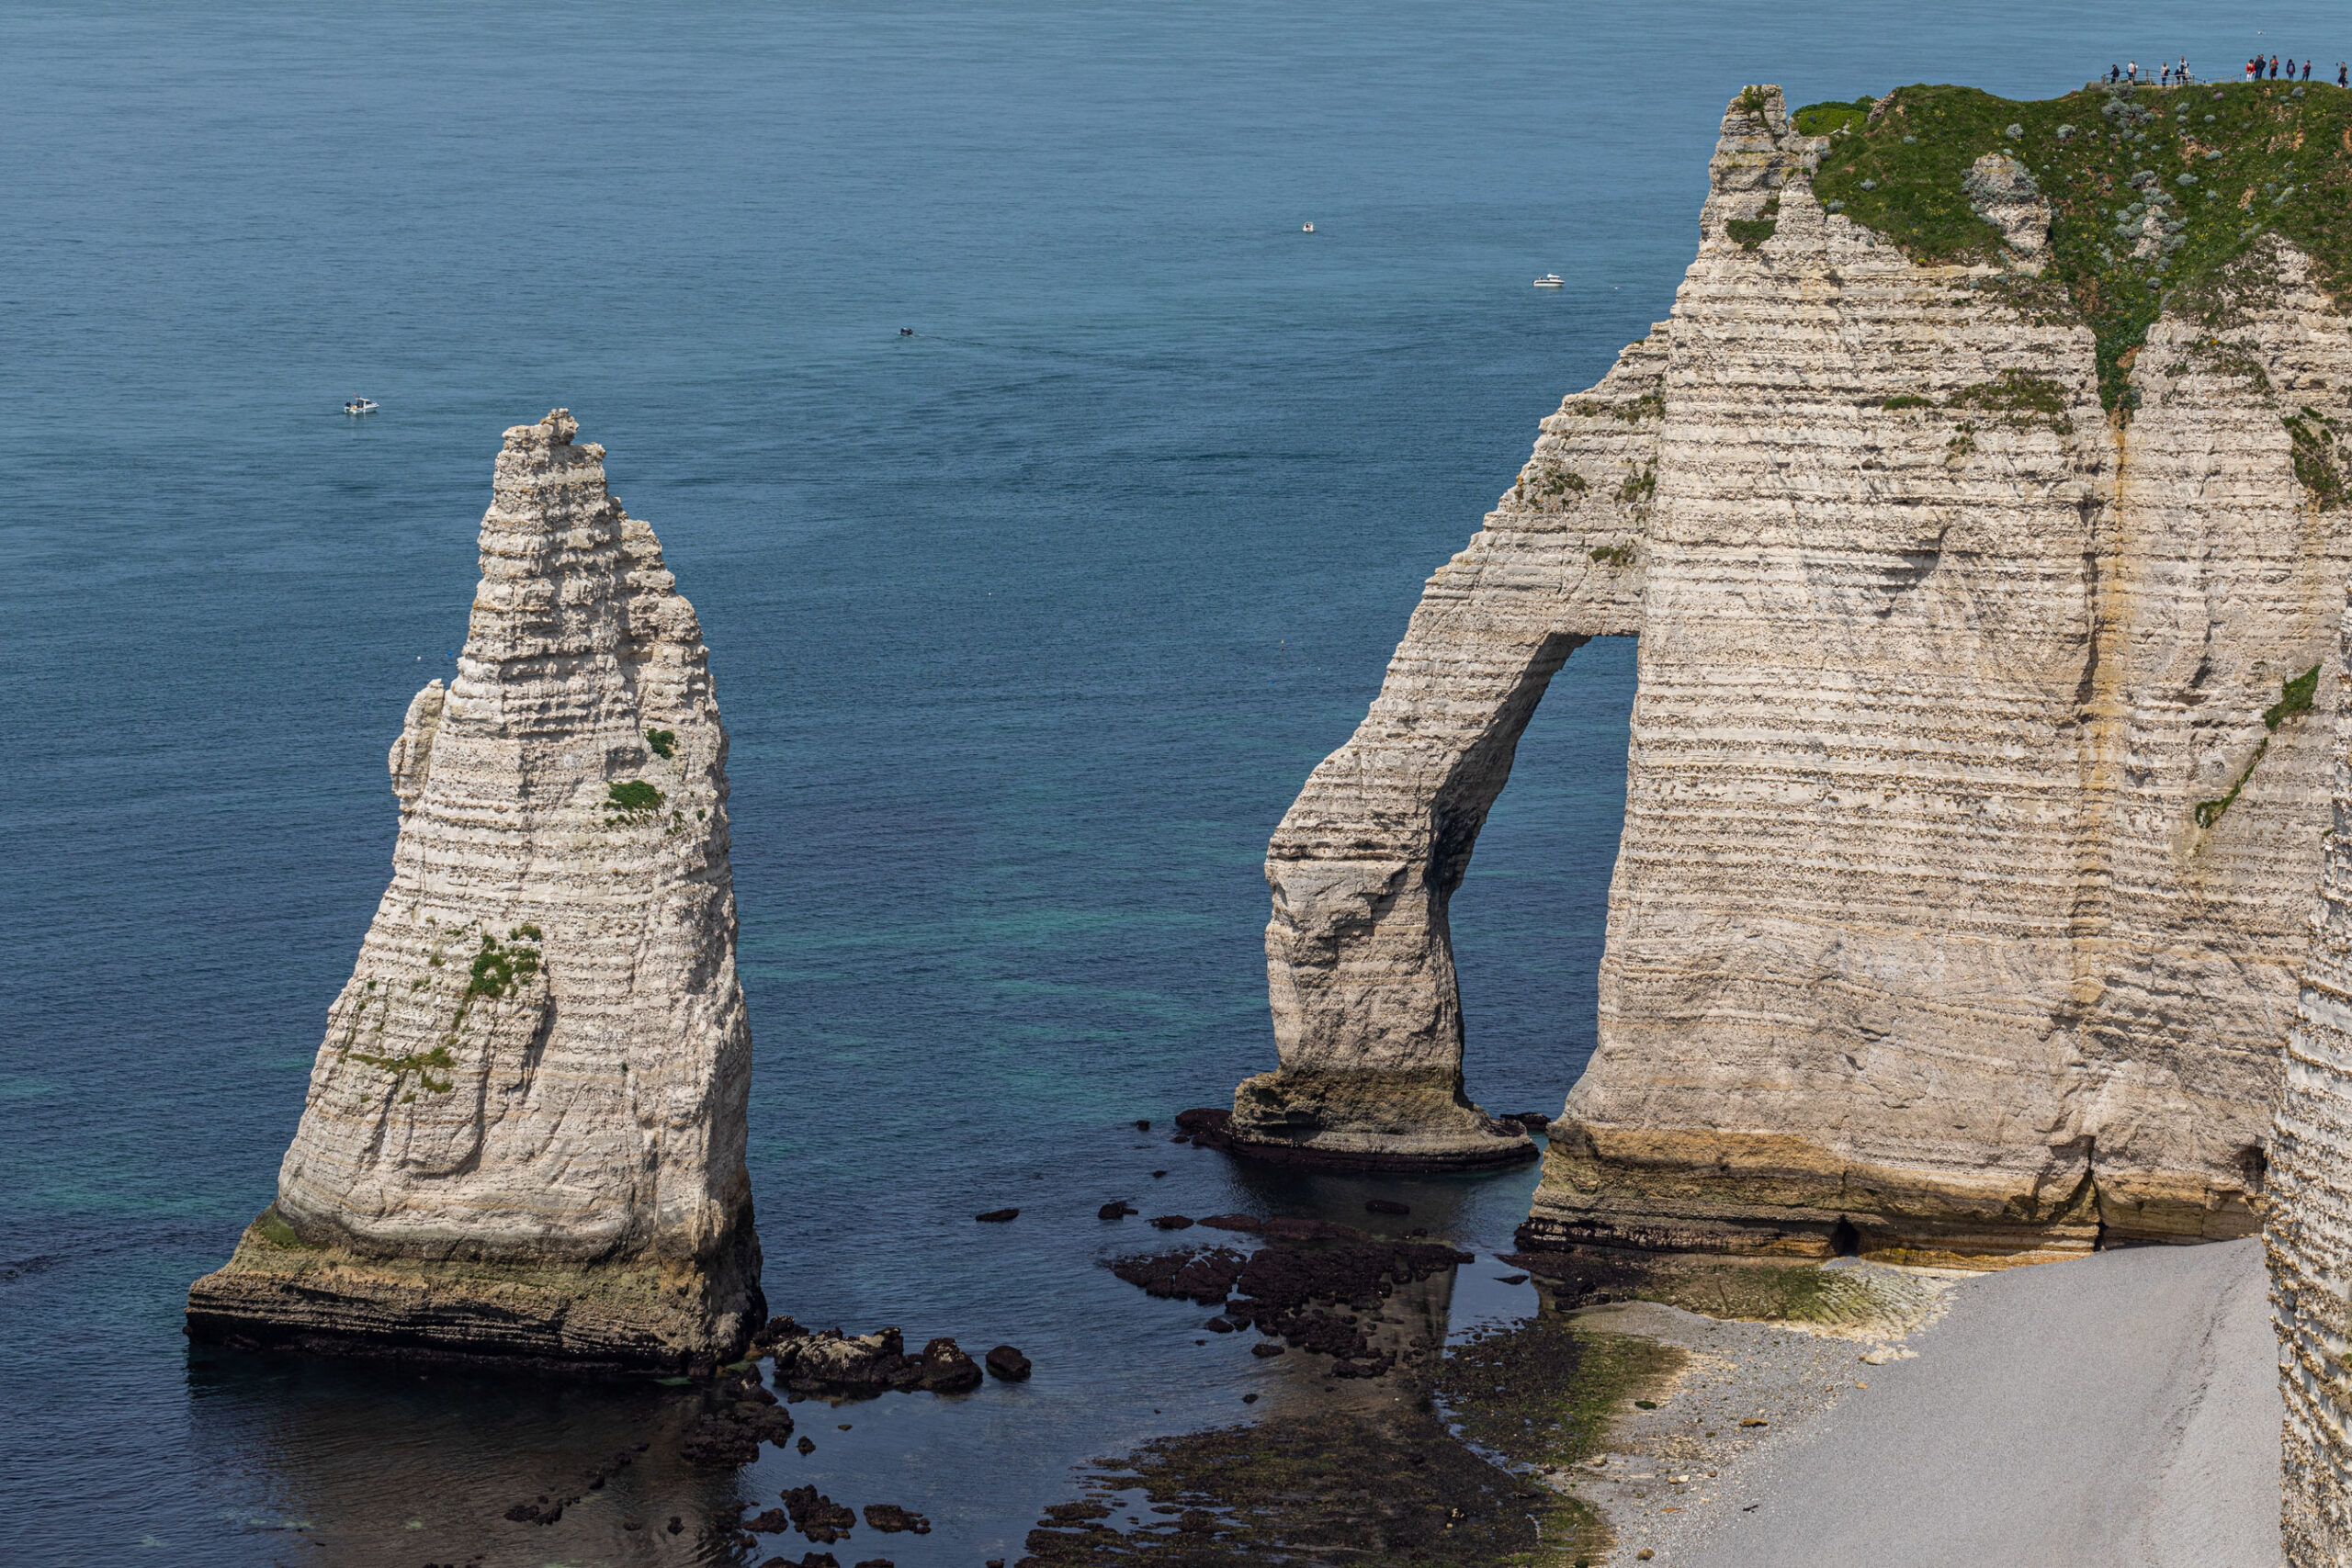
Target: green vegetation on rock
<point>2319,461</point>
<point>1753,231</point>
<point>2152,191</point>
<point>422,1063</point>
<point>663,742</point>
<point>634,801</point>
<point>2294,696</point>
<point>271,1227</point>
<point>498,970</point>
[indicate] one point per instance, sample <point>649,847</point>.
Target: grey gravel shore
<point>2117,1411</point>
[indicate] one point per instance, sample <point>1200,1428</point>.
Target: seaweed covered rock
<point>817,1517</point>
<point>1310,1295</point>
<point>832,1363</point>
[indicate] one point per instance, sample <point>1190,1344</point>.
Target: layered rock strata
<point>525,1131</point>
<point>2308,1234</point>
<point>1976,770</point>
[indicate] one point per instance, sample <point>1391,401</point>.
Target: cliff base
<point>639,1314</point>
<point>1368,1121</point>
<point>1774,1195</point>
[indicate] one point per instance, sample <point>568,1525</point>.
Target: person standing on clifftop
<point>2132,72</point>
<point>2307,70</point>
<point>2274,68</point>
<point>2164,74</point>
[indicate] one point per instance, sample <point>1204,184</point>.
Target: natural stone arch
<point>1359,973</point>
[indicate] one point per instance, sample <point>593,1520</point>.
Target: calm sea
<point>1026,627</point>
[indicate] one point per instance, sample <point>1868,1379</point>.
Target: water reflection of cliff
<point>374,1462</point>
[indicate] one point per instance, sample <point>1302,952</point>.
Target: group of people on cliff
<point>2257,69</point>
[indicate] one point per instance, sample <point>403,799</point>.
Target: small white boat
<point>359,406</point>
<point>1306,228</point>
<point>1551,280</point>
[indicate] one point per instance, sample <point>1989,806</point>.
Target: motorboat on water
<point>1551,280</point>
<point>359,406</point>
<point>1306,228</point>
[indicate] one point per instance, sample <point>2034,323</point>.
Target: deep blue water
<point>1026,629</point>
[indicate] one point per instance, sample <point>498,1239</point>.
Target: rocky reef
<point>525,1131</point>
<point>1981,512</point>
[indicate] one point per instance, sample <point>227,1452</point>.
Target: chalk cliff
<point>525,1131</point>
<point>2308,1229</point>
<point>1977,767</point>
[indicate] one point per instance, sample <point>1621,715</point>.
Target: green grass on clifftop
<point>2152,190</point>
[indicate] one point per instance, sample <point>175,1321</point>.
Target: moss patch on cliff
<point>2152,190</point>
<point>2294,696</point>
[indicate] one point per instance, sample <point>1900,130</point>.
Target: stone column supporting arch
<point>1359,965</point>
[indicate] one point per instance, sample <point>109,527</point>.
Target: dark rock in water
<point>1510,1279</point>
<point>946,1369</point>
<point>1207,1126</point>
<point>1172,1222</point>
<point>774,1521</point>
<point>1008,1363</point>
<point>1115,1210</point>
<point>1204,1277</point>
<point>717,1443</point>
<point>632,1523</point>
<point>829,1362</point>
<point>817,1517</point>
<point>1180,1137</point>
<point>1385,1206</point>
<point>1266,1347</point>
<point>891,1519</point>
<point>1157,1174</point>
<point>1143,1124</point>
<point>1533,1121</point>
<point>777,1330</point>
<point>677,1526</point>
<point>997,1216</point>
<point>1249,1223</point>
<point>806,1447</point>
<point>1249,1399</point>
<point>1283,1290</point>
<point>1220,1326</point>
<point>812,1560</point>
<point>877,1563</point>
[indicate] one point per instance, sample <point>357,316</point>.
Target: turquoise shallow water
<point>1026,628</point>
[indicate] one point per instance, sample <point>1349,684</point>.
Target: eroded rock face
<point>1960,892</point>
<point>2307,1233</point>
<point>525,1131</point>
